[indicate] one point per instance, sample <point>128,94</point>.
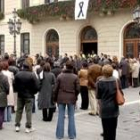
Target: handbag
<point>120,100</point>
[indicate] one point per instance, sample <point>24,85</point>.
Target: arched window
<point>89,34</point>
<point>52,43</point>
<point>132,32</point>
<point>131,41</point>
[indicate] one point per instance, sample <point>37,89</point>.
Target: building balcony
<point>65,9</point>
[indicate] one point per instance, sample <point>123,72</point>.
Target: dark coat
<point>13,69</point>
<point>67,88</point>
<point>45,95</point>
<point>4,90</point>
<point>26,84</point>
<point>124,66</point>
<point>56,71</point>
<point>106,93</point>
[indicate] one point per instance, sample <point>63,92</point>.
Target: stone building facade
<point>98,33</point>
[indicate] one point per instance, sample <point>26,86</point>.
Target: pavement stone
<point>88,127</point>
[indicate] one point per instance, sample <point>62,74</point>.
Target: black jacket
<point>106,93</point>
<point>26,84</point>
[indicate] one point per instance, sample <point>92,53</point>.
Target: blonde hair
<point>107,70</point>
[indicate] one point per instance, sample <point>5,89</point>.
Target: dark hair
<point>47,67</point>
<point>69,65</point>
<point>42,63</point>
<point>38,61</point>
<point>6,56</point>
<point>114,65</point>
<point>26,66</point>
<point>85,65</point>
<point>11,62</point>
<point>5,65</point>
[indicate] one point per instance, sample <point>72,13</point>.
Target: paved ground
<point>88,127</point>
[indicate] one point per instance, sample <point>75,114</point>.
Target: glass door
<point>129,49</point>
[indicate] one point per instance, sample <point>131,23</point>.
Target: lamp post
<point>14,28</point>
<point>136,13</point>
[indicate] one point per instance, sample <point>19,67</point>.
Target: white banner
<point>81,7</point>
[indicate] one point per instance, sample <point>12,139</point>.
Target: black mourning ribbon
<point>81,4</point>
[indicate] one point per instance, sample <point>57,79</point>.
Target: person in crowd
<point>105,61</point>
<point>94,71</point>
<point>6,57</point>
<point>40,69</point>
<point>65,94</point>
<point>26,84</point>
<point>10,97</point>
<point>12,66</point>
<point>124,67</point>
<point>37,66</point>
<point>109,110</point>
<point>21,60</point>
<point>14,70</point>
<point>115,61</point>
<point>65,59</point>
<point>77,63</point>
<point>115,71</point>
<point>45,97</point>
<point>83,75</point>
<point>56,70</point>
<point>135,73</point>
<point>130,62</point>
<point>4,84</point>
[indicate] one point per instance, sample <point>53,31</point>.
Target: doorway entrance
<point>89,48</point>
<point>89,43</point>
<point>132,41</point>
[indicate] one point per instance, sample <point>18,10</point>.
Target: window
<point>25,43</point>
<point>132,32</point>
<point>25,4</point>
<point>89,34</point>
<point>2,44</point>
<point>52,43</point>
<point>2,6</point>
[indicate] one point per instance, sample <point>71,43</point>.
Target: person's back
<point>67,88</point>
<point>65,94</point>
<point>26,84</point>
<point>106,89</point>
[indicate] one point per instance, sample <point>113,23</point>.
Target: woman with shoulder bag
<point>106,89</point>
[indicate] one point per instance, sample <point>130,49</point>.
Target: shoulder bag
<point>120,100</point>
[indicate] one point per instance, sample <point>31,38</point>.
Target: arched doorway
<point>89,43</point>
<point>52,43</point>
<point>131,41</point>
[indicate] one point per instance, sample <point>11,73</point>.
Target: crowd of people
<point>58,81</point>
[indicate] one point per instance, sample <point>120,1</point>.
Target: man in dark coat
<point>26,85</point>
<point>124,66</point>
<point>56,70</point>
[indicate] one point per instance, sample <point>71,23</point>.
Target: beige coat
<point>10,97</point>
<point>135,70</point>
<point>83,77</point>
